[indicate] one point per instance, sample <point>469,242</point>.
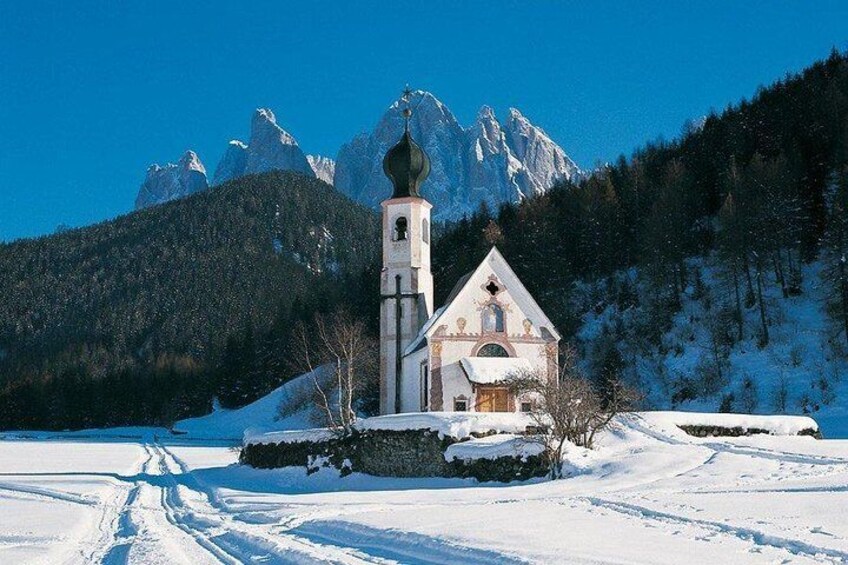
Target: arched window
<point>425,230</point>
<point>400,229</point>
<point>492,350</point>
<point>493,318</point>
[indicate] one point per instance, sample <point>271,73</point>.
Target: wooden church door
<point>492,400</point>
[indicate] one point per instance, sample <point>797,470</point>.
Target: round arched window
<point>492,350</point>
<point>400,229</point>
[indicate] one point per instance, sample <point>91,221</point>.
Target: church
<point>457,357</point>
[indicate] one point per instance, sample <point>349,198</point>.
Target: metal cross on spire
<point>407,112</point>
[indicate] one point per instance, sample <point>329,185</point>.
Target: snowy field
<point>649,494</point>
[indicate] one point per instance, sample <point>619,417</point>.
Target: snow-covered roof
<point>489,370</point>
<point>422,334</point>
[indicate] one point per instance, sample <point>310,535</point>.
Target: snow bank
<point>775,425</point>
<point>458,425</point>
<point>493,447</point>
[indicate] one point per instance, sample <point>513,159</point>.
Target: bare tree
<point>338,349</point>
<point>568,408</point>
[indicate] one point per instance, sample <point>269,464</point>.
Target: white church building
<point>460,356</point>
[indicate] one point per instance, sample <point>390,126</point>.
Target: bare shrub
<point>748,396</point>
<point>780,395</point>
<point>343,360</point>
<point>568,408</point>
<point>796,354</point>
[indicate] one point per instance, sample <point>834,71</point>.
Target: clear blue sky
<point>91,93</point>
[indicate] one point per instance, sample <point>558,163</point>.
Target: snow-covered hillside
<point>281,409</point>
<point>799,371</point>
<point>666,496</point>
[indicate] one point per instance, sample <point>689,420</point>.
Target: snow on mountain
<point>172,181</point>
<point>487,162</point>
<point>324,167</point>
<point>270,148</point>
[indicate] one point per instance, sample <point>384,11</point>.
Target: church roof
<point>507,276</point>
<point>407,166</point>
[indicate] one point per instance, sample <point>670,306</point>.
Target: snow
<point>805,355</point>
<point>775,425</point>
<point>263,414</point>
<point>288,436</point>
<point>489,370</point>
<point>493,447</point>
<point>458,425</point>
<point>649,493</point>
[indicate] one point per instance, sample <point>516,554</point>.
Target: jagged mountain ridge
<point>488,161</point>
<point>270,148</point>
<point>172,181</point>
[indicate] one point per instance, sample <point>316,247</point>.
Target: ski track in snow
<point>709,528</point>
<point>164,511</point>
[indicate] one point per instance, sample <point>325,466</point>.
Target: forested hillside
<point>664,267</point>
<point>143,319</point>
<point>731,214</point>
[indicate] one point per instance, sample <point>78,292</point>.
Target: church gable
<point>492,300</point>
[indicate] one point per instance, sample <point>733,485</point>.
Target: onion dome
<point>406,164</point>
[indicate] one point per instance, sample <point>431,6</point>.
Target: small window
<point>400,229</point>
<point>425,387</point>
<point>492,350</point>
<point>425,230</point>
<point>493,319</point>
<point>493,288</point>
<point>460,405</point>
<point>526,406</point>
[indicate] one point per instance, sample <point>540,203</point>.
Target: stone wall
<point>388,453</point>
<point>736,431</point>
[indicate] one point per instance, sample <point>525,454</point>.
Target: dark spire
<point>406,164</point>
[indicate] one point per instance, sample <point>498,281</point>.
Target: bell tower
<point>406,283</point>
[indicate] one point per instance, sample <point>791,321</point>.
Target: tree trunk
<point>749,297</point>
<point>778,273</point>
<point>765,339</point>
<point>739,320</point>
<point>843,283</point>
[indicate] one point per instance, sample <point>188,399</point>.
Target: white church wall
<point>455,385</point>
<point>411,383</point>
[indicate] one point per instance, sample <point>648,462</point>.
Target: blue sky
<point>91,93</point>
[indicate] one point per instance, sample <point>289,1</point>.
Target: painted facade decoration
<point>460,356</point>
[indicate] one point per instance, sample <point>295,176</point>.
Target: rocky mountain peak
<point>264,126</point>
<point>191,162</point>
<point>270,148</point>
<point>172,181</point>
<point>489,161</point>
